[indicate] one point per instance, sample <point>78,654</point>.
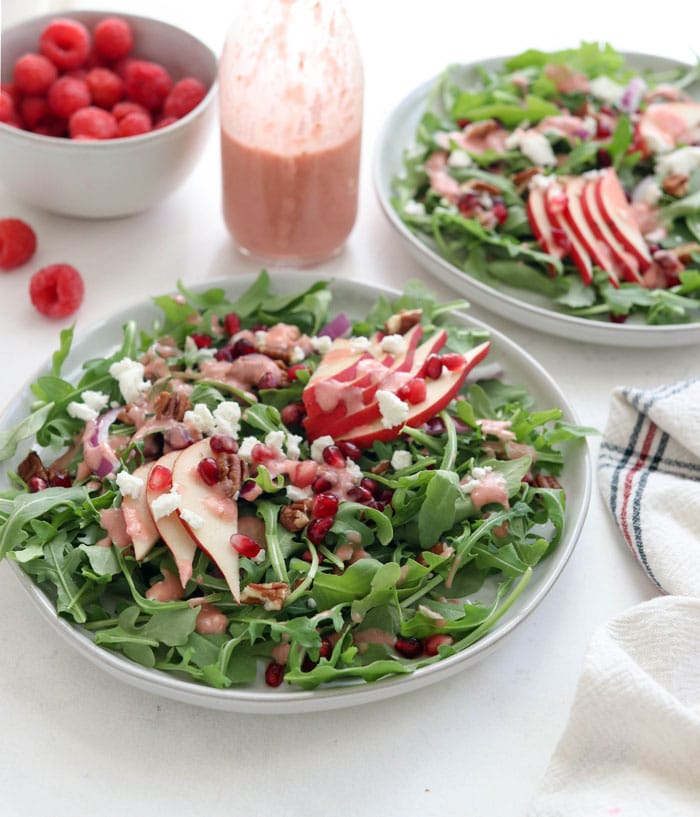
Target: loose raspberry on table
<point>92,123</point>
<point>184,96</point>
<point>106,87</point>
<point>68,95</point>
<point>33,74</point>
<point>17,243</point>
<point>66,43</point>
<point>57,290</point>
<point>113,38</point>
<point>147,83</point>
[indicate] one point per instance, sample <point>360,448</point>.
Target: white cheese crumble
<point>359,344</point>
<point>81,411</point>
<point>318,445</point>
<point>393,344</point>
<point>194,520</point>
<point>96,400</point>
<point>401,459</point>
<point>129,375</point>
<point>393,410</point>
<point>294,446</point>
<point>298,494</point>
<point>684,160</point>
<point>227,418</point>
<point>321,344</point>
<point>414,208</point>
<point>129,484</point>
<point>260,337</point>
<point>607,90</point>
<point>459,158</point>
<point>245,449</point>
<point>297,355</point>
<point>532,144</point>
<point>647,192</point>
<point>469,482</point>
<point>201,418</point>
<point>354,470</point>
<point>165,504</point>
<point>275,440</point>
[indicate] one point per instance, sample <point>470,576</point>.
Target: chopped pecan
<point>402,321</point>
<point>478,130</point>
<point>481,186</point>
<point>172,405</point>
<point>524,177</point>
<point>684,252</point>
<point>296,516</point>
<point>270,594</point>
<point>676,184</point>
<point>381,467</point>
<point>233,472</point>
<point>546,481</point>
<point>32,466</point>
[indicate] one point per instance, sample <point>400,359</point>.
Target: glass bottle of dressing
<point>290,92</point>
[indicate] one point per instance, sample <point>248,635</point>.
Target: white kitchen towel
<point>631,747</point>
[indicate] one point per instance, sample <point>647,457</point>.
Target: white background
<point>78,743</point>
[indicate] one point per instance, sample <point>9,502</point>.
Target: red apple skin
<point>440,393</point>
<point>338,421</point>
<point>555,201</point>
<point>618,213</point>
<point>540,224</point>
<point>577,219</point>
<point>626,264</point>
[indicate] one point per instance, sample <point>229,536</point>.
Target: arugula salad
<point>568,174</point>
<point>264,488</point>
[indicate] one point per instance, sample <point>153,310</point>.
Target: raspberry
<point>134,124</point>
<point>165,122</point>
<point>66,43</point>
<point>122,109</point>
<point>68,95</point>
<point>33,74</point>
<point>147,83</point>
<point>106,87</point>
<point>113,38</point>
<point>17,243</point>
<point>51,125</point>
<point>33,110</point>
<point>92,123</point>
<point>7,107</point>
<point>57,290</point>
<point>185,95</point>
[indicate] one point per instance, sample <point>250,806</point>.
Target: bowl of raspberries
<point>102,115</point>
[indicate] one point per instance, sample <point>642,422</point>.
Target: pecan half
<point>546,481</point>
<point>296,516</point>
<point>524,177</point>
<point>172,405</point>
<point>684,252</point>
<point>233,472</point>
<point>676,184</point>
<point>32,466</point>
<point>270,594</point>
<point>402,321</point>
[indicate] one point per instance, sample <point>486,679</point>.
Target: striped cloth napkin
<point>631,747</point>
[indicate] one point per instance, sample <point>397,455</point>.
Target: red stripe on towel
<point>629,478</point>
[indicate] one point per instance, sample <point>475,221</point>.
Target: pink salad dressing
<point>167,589</point>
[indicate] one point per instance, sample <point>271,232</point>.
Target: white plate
<point>521,306</point>
<point>356,300</point>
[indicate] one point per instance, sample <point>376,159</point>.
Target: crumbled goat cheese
<point>129,374</point>
<point>201,418</point>
<point>246,447</point>
<point>293,446</point>
<point>393,410</point>
<point>129,484</point>
<point>393,344</point>
<point>414,208</point>
<point>607,90</point>
<point>684,160</point>
<point>459,158</point>
<point>260,337</point>
<point>165,504</point>
<point>96,400</point>
<point>298,355</point>
<point>401,459</point>
<point>354,470</point>
<point>532,144</point>
<point>298,494</point>
<point>318,445</point>
<point>227,418</point>
<point>321,344</point>
<point>359,344</point>
<point>194,520</point>
<point>275,439</point>
<point>80,411</point>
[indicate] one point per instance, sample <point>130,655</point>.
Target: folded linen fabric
<point>631,747</point>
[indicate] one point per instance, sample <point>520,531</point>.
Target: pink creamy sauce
<point>167,589</point>
<point>210,620</point>
<point>490,488</point>
<point>112,520</point>
<point>242,373</point>
<point>287,207</point>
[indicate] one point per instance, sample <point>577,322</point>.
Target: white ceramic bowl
<point>115,177</point>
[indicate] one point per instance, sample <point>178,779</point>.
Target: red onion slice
<point>337,327</point>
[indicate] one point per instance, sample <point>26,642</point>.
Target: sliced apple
<point>540,224</point>
<point>664,125</point>
<point>438,395</point>
<point>555,202</point>
<point>209,516</point>
<point>590,237</point>
<point>620,217</point>
<point>137,517</point>
<point>171,530</point>
<point>626,264</point>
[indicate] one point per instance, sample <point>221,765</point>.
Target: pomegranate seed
<point>317,529</point>
<point>432,643</point>
<point>462,123</point>
<point>618,318</point>
<point>452,361</point>
<point>376,505</point>
<point>232,323</point>
<point>501,212</point>
<point>37,484</point>
<point>326,648</point>
<point>359,494</point>
<point>292,371</point>
<point>223,444</point>
<point>274,674</point>
<point>369,485</point>
<point>333,456</point>
<point>408,647</point>
<point>604,158</point>
<point>561,239</point>
<point>323,505</point>
<point>351,451</point>
<point>270,380</point>
<point>433,367</point>
<point>434,425</point>
<point>241,347</point>
<point>60,480</point>
<point>262,453</point>
<point>224,354</point>
<point>160,478</point>
<point>250,490</point>
<point>208,470</point>
<point>293,413</point>
<point>385,495</point>
<point>245,545</point>
<point>321,485</point>
<point>414,391</point>
<point>307,664</point>
<point>201,341</point>
<point>468,203</point>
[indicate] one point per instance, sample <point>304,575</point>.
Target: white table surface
<point>76,742</point>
